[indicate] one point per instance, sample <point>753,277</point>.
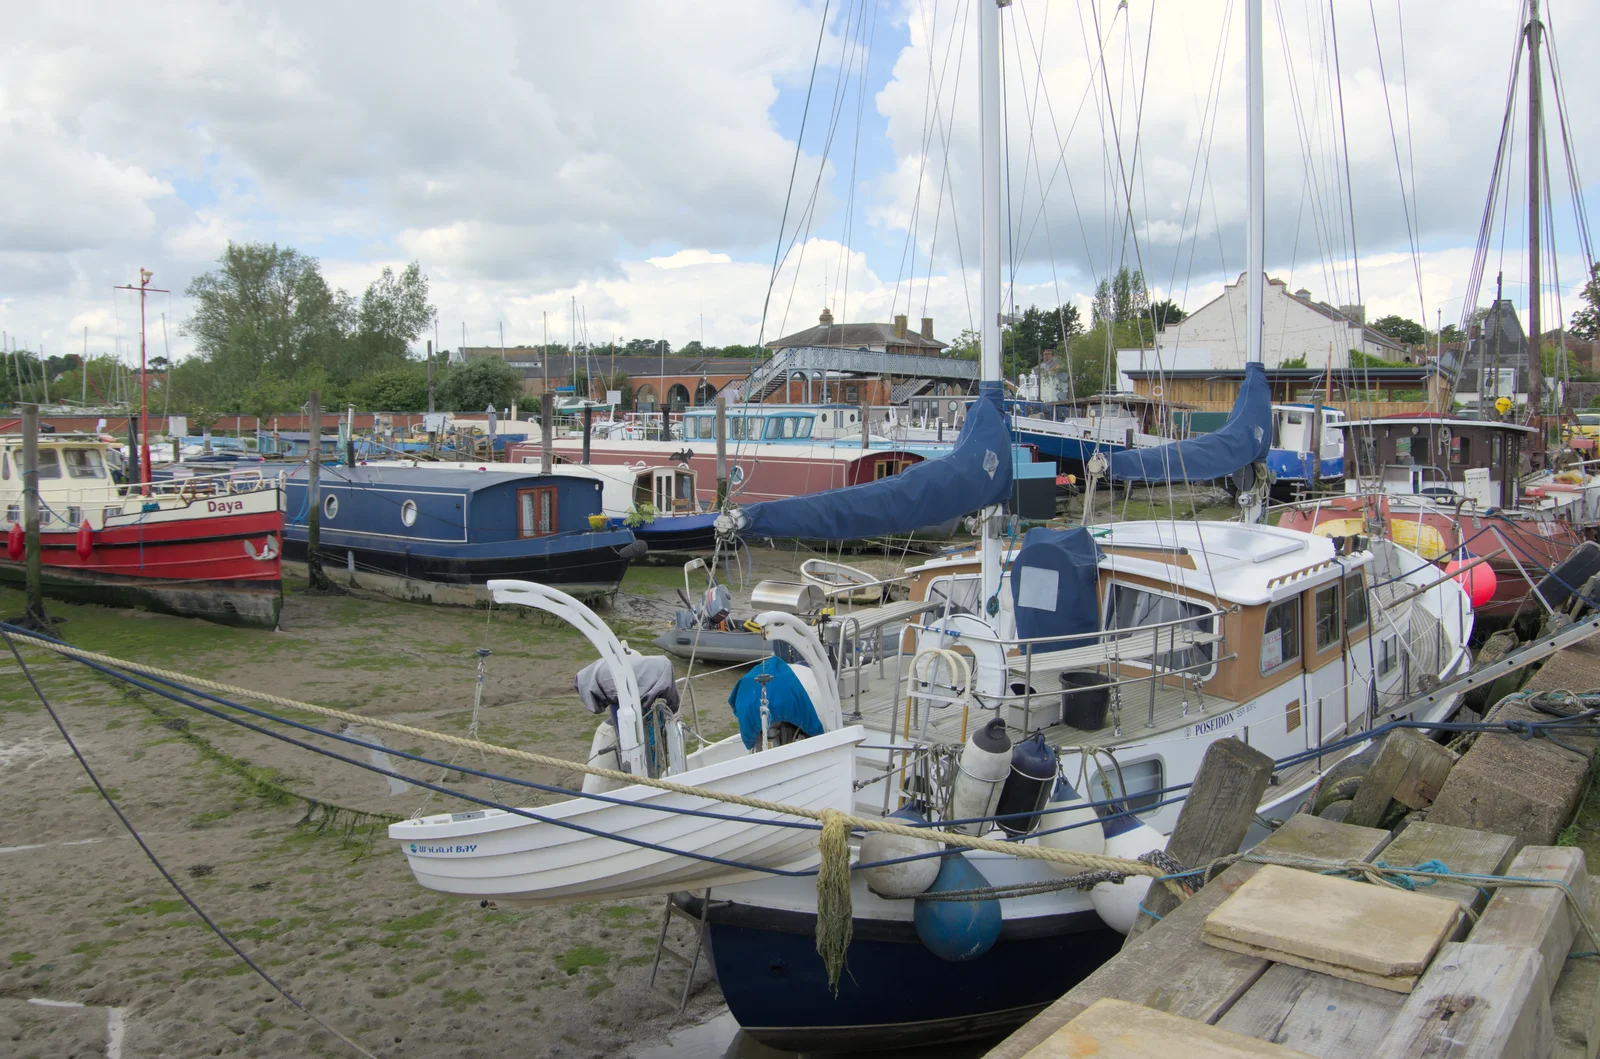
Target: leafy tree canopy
<point>1401,330</point>
<point>1165,313</point>
<point>1122,299</point>
<point>1585,322</point>
<point>477,384</point>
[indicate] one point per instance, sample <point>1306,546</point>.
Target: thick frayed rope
<point>835,916</point>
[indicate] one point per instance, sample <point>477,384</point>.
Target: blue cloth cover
<point>975,474</point>
<point>786,701</point>
<point>1053,585</point>
<point>1244,439</point>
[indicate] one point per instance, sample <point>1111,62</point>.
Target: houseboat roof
<point>1436,420</point>
<point>465,478</point>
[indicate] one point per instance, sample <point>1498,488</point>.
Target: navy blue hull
<point>894,993</point>
<point>679,533</point>
<point>595,568</point>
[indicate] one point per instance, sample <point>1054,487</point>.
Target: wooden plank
<point>1398,983</point>
<point>1337,923</point>
<point>1475,1002</point>
<point>1537,917</point>
<point>1316,1013</point>
<point>1460,849</point>
<point>1169,968</point>
<point>1420,783</point>
<point>1575,1004</point>
<point>1394,759</point>
<point>1115,1029</point>
<point>1215,817</point>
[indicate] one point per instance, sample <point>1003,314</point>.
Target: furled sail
<point>976,474</point>
<point>1242,440</point>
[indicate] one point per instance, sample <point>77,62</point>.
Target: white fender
<point>602,754</point>
<point>1118,903</point>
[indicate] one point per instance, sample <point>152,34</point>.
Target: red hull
<point>1537,544</point>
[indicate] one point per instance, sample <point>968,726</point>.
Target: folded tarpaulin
<point>786,701</point>
<point>975,474</point>
<point>1244,439</point>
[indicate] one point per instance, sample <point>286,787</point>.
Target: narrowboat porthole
<point>330,505</point>
<point>408,513</point>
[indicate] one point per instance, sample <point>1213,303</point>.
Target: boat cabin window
<point>1388,655</point>
<point>1280,637</point>
<point>49,463</point>
<point>1355,602</point>
<point>1460,449</point>
<point>956,595</point>
<point>791,425</point>
<point>884,468</point>
<point>5,465</point>
<point>1136,784</point>
<point>803,428</point>
<point>1325,613</point>
<point>536,511</point>
<point>83,463</point>
<point>1131,607</point>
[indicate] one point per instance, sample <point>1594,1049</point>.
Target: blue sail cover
<point>1244,439</point>
<point>1054,581</point>
<point>975,474</point>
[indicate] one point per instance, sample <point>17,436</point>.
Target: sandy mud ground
<point>330,911</point>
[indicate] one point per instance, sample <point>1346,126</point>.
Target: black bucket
<point>1085,700</point>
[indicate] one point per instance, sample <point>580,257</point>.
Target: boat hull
<point>224,568</point>
<point>776,986</point>
<point>714,645</point>
<point>678,533</point>
<point>503,856</point>
<point>593,563</point>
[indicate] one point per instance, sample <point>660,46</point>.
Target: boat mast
<point>1255,181</point>
<point>1535,347</point>
<point>989,257</point>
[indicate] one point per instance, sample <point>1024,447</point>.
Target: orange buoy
<point>1479,582</point>
<point>85,540</point>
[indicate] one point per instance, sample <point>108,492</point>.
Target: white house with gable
<point>1295,326</point>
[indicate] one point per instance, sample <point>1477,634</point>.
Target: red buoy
<point>85,540</point>
<point>1479,582</point>
<point>16,542</point>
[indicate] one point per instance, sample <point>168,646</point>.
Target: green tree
<point>394,313</point>
<point>1165,313</point>
<point>750,352</point>
<point>1036,332</point>
<point>1122,299</point>
<point>402,389</point>
<point>480,382</point>
<point>966,346</point>
<point>1585,322</point>
<point>1401,330</point>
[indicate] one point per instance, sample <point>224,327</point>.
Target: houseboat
<point>460,526</point>
<point>1069,432</point>
<point>203,547</point>
<point>1443,487</point>
<point>1297,429</point>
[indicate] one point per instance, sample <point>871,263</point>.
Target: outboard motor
<point>716,604</point>
<point>1033,775</point>
<point>985,764</point>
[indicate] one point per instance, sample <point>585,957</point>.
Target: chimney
<point>900,326</point>
<point>826,319</point>
<point>927,328</point>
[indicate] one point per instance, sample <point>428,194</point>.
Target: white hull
<point>506,857</point>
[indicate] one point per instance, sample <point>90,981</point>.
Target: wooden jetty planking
<point>1116,1029</point>
<point>1169,968</point>
<point>1334,923</point>
<point>1397,983</point>
<point>1215,818</point>
<point>1575,1004</point>
<point>1475,1002</point>
<point>1409,768</point>
<point>1333,1018</point>
<point>1537,917</point>
<point>1460,849</point>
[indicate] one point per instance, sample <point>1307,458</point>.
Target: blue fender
<point>958,930</point>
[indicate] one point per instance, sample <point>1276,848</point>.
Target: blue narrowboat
<point>460,526</point>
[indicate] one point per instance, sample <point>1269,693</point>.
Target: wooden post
<point>864,428</point>
<point>547,424</point>
<point>430,375</point>
<point>722,452</point>
<point>588,424</point>
<point>1215,816</point>
<point>34,567</point>
<point>319,580</point>
<point>1316,446</point>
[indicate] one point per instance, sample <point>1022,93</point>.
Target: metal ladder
<point>691,961</point>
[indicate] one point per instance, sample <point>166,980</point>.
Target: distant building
<point>878,338</point>
<point>1296,328</point>
<point>679,382</point>
<point>1495,363</point>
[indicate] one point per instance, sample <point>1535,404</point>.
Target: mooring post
<point>547,425</point>
<point>588,424</point>
<point>1215,817</point>
<point>34,566</point>
<point>722,452</point>
<point>319,580</point>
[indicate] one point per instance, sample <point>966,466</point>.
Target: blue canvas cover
<point>975,474</point>
<point>786,701</point>
<point>1244,439</point>
<point>1053,584</point>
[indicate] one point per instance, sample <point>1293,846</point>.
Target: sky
<point>635,168</point>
